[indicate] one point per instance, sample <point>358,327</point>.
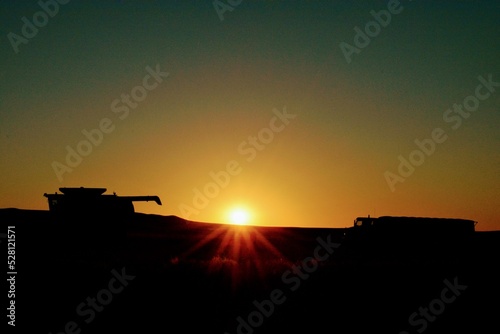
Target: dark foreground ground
<point>157,274</point>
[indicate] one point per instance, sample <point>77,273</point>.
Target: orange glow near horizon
<point>275,118</point>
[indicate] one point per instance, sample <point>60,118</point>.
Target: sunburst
<point>241,251</point>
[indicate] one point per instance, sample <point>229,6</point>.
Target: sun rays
<point>240,251</point>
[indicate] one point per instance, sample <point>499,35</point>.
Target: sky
<point>303,113</point>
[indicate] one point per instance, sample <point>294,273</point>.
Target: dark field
<point>155,274</point>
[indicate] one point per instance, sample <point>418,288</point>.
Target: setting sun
<point>239,216</point>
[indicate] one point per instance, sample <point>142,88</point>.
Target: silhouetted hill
<point>156,273</point>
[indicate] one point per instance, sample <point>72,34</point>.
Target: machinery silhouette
<point>92,200</point>
<point>88,212</point>
<point>409,238</point>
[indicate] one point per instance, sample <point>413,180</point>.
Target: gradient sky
<point>228,79</point>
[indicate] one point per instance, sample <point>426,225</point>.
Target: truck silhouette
<point>419,227</point>
<point>409,237</point>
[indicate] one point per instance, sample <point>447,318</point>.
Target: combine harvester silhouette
<point>89,212</point>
